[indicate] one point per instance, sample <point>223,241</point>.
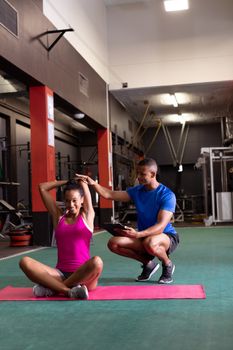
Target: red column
<point>42,141</point>
<point>105,164</point>
<point>42,159</point>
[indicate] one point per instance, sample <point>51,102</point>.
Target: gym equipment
<point>59,158</point>
<point>13,221</point>
<point>6,177</point>
<point>4,185</point>
<point>116,293</point>
<point>215,162</point>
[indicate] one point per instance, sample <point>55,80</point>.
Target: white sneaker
<point>78,292</point>
<point>40,291</point>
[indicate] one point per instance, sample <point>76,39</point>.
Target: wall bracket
<point>61,31</point>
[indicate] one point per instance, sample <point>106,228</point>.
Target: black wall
<point>190,181</point>
<point>15,127</point>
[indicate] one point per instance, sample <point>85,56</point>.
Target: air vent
<point>83,84</point>
<point>8,17</point>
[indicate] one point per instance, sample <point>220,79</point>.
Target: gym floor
<point>203,257</point>
<point>6,250</point>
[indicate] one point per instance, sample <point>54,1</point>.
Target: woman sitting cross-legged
<point>76,272</point>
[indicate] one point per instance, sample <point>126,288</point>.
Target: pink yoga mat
<point>117,293</point>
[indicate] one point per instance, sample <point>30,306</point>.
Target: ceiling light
<point>6,86</point>
<point>176,5</point>
<point>79,115</point>
<point>181,118</point>
<point>180,168</point>
<point>169,99</point>
<point>173,100</point>
<point>182,98</point>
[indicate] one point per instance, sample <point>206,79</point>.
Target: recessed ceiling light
<point>79,115</point>
<point>169,99</point>
<point>176,5</point>
<point>173,100</point>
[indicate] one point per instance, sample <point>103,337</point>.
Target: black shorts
<point>64,275</point>
<point>174,241</point>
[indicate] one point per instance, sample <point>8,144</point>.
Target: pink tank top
<point>73,244</point>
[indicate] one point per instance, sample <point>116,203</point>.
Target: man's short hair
<point>150,162</point>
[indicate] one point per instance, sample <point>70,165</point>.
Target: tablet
<point>114,228</point>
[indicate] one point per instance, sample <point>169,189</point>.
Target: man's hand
<point>130,232</point>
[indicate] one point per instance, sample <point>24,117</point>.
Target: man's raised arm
<point>120,196</point>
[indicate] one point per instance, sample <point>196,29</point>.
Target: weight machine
<point>216,164</point>
<point>6,183</point>
<point>11,219</point>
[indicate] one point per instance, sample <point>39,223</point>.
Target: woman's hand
<point>85,179</point>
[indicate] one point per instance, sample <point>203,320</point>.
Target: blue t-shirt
<point>149,203</point>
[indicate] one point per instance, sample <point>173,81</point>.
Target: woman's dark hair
<point>73,185</point>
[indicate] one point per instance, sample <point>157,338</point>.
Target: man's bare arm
<point>105,192</point>
<point>164,218</point>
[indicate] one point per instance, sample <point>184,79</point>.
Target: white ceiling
<point>204,102</point>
